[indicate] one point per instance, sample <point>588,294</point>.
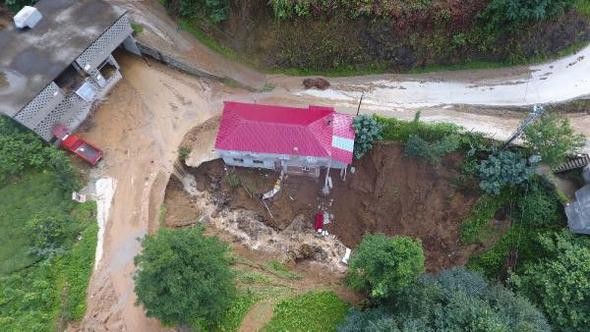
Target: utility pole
<point>535,114</point>
<point>360,102</point>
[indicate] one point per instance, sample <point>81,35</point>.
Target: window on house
<point>238,160</point>
<point>258,161</point>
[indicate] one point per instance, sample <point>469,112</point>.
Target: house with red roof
<point>296,140</point>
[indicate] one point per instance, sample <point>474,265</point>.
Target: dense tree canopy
<point>381,264</point>
<point>21,149</point>
<point>454,300</point>
<point>505,168</point>
<point>368,130</point>
<point>553,139</point>
<point>559,283</point>
<point>184,277</point>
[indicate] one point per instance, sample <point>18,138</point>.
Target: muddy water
<point>558,81</point>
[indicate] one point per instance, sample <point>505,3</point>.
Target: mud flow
<point>388,193</point>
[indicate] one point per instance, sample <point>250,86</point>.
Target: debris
<point>77,197</point>
<point>318,83</point>
<point>346,256</point>
<point>275,189</point>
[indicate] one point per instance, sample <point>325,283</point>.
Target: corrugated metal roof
<point>284,130</point>
<point>32,58</point>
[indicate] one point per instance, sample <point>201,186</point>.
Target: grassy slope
<point>45,295</point>
<point>35,193</point>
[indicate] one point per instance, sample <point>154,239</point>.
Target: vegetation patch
<point>305,37</point>
<point>47,295</point>
<point>314,311</point>
<point>47,242</point>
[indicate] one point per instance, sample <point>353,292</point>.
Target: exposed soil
<point>388,193</point>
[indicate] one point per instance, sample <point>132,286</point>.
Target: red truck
<point>77,145</point>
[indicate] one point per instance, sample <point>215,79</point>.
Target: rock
<point>318,83</point>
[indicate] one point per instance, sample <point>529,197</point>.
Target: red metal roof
<point>285,130</point>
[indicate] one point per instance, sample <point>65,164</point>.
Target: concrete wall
<point>292,163</point>
<point>174,62</point>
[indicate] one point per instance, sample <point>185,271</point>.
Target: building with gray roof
<point>54,72</point>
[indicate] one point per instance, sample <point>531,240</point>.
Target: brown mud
<point>388,193</point>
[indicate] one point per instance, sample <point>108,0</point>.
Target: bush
<point>502,169</point>
<point>559,282</point>
<point>51,235</point>
<point>553,138</point>
<point>367,131</point>
<point>432,152</point>
<point>183,277</point>
<point>21,149</point>
<point>382,265</point>
<point>538,207</point>
<point>454,300</point>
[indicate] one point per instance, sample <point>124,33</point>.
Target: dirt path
<point>139,126</point>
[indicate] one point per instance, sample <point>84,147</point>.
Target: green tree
<point>553,139</point>
<point>454,300</point>
<point>367,131</point>
<point>381,264</point>
<point>559,283</point>
<point>504,168</point>
<point>183,277</point>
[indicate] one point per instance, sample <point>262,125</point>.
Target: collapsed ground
<point>388,193</point>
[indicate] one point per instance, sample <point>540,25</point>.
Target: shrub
<point>367,131</point>
<point>183,153</point>
<point>553,138</point>
<point>538,207</point>
<point>51,235</point>
<point>454,300</point>
<point>21,149</point>
<point>432,152</point>
<point>502,169</point>
<point>183,277</point>
<point>559,283</point>
<point>381,265</point>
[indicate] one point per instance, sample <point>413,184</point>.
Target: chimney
<point>28,17</point>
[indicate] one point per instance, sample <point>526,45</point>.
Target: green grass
<point>236,313</point>
<point>281,270</point>
<point>583,6</point>
<point>20,200</point>
<point>475,228</point>
<point>314,311</point>
<point>468,65</point>
<point>45,296</point>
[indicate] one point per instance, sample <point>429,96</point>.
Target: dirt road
<point>139,126</point>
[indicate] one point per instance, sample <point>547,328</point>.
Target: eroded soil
<point>388,193</point>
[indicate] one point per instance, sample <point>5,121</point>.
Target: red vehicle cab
<point>77,145</point>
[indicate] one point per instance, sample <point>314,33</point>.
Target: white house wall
<point>271,161</point>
